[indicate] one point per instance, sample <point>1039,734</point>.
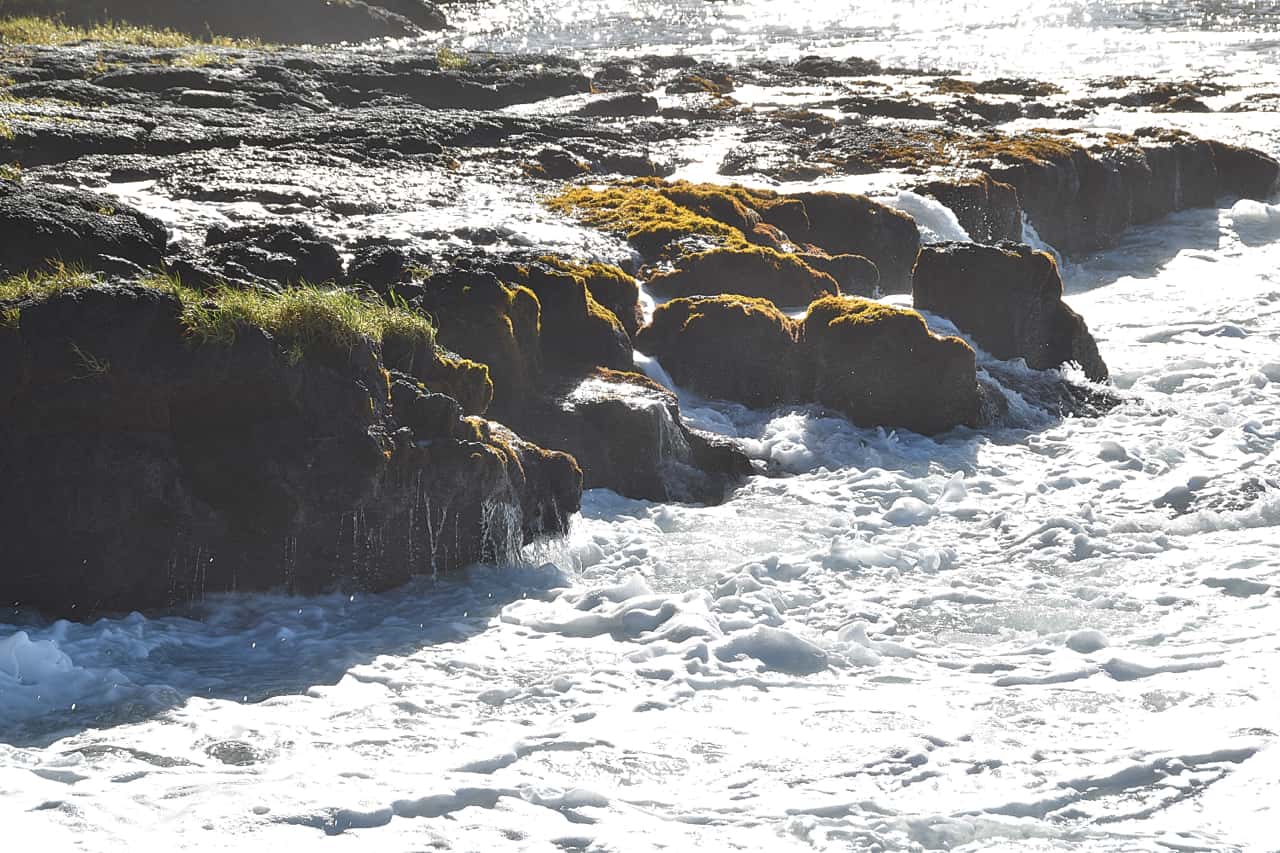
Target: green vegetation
<point>302,318</point>
<point>193,59</point>
<point>451,60</point>
<point>31,30</point>
<point>643,215</point>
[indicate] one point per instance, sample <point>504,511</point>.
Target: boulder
<point>140,470</point>
<point>610,286</point>
<point>44,226</point>
<point>487,321</point>
<point>1245,172</point>
<point>784,279</point>
<point>732,347</point>
<point>881,366</point>
<point>626,432</point>
<point>845,224</point>
<point>878,365</point>
<point>1008,298</point>
<point>988,210</point>
<point>577,333</point>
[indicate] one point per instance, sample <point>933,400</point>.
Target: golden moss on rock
<point>643,215</point>
<point>609,285</point>
<point>754,271</point>
<point>735,347</point>
<point>879,365</point>
<point>882,366</point>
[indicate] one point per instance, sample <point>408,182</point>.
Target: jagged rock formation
<point>141,470</point>
<point>1009,299</point>
<point>878,365</point>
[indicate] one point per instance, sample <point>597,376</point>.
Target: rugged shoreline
<point>274,168</point>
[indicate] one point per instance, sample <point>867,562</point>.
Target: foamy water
<point>1059,636</point>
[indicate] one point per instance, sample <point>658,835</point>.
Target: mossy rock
<point>844,224</point>
<point>1007,298</point>
<point>609,285</point>
<point>642,214</point>
<point>490,322</point>
<point>757,272</point>
<point>733,347</point>
<point>578,333</point>
<point>881,366</point>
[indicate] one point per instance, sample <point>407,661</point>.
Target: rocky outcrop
<point>988,210</point>
<point>140,470</point>
<point>1008,298</point>
<point>45,225</point>
<point>732,347</point>
<point>881,366</point>
<point>757,272</point>
<point>626,432</point>
<point>559,363</point>
<point>845,224</point>
<point>282,21</point>
<point>267,256</point>
<point>878,365</point>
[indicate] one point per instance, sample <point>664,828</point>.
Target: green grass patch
<point>303,319</point>
<point>35,30</point>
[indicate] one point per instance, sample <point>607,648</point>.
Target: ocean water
<point>1060,635</point>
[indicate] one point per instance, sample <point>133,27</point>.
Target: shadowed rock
<point>878,365</point>
<point>284,21</point>
<point>245,469</point>
<point>1009,299</point>
<point>43,224</point>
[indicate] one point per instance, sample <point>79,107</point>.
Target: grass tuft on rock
<point>642,214</point>
<point>303,318</point>
<point>37,30</point>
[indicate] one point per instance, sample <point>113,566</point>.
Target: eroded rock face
<point>757,272</point>
<point>626,432</point>
<point>881,366</point>
<point>244,471</point>
<point>1009,299</point>
<point>732,347</point>
<point>284,21</point>
<point>45,224</point>
<point>878,365</point>
<point>843,224</point>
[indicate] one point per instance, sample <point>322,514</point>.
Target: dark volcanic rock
<point>626,432</point>
<point>1009,298</point>
<point>844,224</point>
<point>140,471</point>
<point>1245,172</point>
<point>284,21</point>
<point>987,209</point>
<point>879,366</point>
<point>856,275</point>
<point>274,255</point>
<point>43,225</point>
<point>782,278</point>
<point>732,347</point>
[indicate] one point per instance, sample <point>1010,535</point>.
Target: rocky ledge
<point>303,318</point>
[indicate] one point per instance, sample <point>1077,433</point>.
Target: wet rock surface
<point>1008,298</point>
<point>245,471</point>
<point>529,205</point>
<point>877,365</point>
